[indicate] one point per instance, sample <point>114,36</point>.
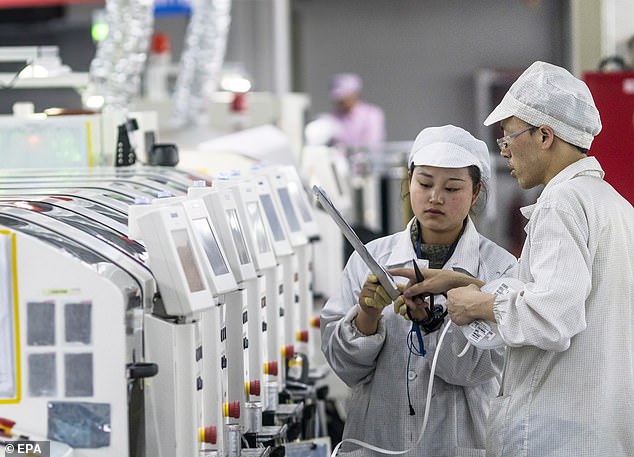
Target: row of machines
<point>152,311</point>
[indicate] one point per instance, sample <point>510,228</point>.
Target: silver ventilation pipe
<point>115,71</point>
<point>201,61</point>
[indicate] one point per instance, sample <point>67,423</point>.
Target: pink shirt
<point>363,126</point>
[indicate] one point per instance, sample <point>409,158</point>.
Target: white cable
<point>464,350</point>
<point>425,416</point>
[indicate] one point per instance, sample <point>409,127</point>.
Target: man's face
<point>523,155</point>
<point>345,104</point>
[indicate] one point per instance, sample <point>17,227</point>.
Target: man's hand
<point>466,304</point>
<point>436,281</point>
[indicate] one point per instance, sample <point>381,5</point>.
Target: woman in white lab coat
<point>366,342</point>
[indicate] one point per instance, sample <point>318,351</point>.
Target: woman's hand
<point>372,299</point>
<point>415,305</point>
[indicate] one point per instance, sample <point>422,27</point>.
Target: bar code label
<point>480,330</point>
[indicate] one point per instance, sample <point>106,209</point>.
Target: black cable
<point>417,351</point>
<point>11,83</point>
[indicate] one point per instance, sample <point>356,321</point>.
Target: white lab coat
<point>375,366</point>
<point>568,387</point>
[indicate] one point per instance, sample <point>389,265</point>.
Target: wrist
<point>483,309</point>
<point>366,323</point>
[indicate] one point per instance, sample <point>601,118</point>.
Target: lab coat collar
<point>588,166</point>
<point>465,257</point>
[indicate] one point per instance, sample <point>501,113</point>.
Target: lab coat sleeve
<point>550,309</point>
<point>350,354</point>
<point>476,366</point>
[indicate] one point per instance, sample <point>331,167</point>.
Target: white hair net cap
<point>546,94</point>
<point>344,84</point>
<point>450,147</point>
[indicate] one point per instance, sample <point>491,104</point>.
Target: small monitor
<point>278,182</point>
<point>210,246</point>
<point>187,260</point>
<point>278,235</point>
<point>238,236</point>
<point>289,210</point>
<point>176,261</point>
<point>271,215</point>
<point>223,210</point>
<point>257,226</point>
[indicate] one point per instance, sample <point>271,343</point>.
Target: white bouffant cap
<point>546,94</point>
<point>450,147</point>
<point>345,84</point>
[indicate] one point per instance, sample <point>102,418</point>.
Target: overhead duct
<point>201,61</point>
<point>115,71</point>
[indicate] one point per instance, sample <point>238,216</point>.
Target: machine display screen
<point>257,225</point>
<point>271,215</point>
<point>238,237</point>
<point>210,246</point>
<point>287,204</point>
<point>187,260</point>
<point>299,201</point>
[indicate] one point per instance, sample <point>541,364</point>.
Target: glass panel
<point>78,375</point>
<point>257,225</point>
<point>187,260</point>
<point>210,246</point>
<point>238,237</point>
<point>299,201</point>
<point>78,322</point>
<point>42,375</point>
<point>80,425</point>
<point>287,206</point>
<point>40,324</point>
<point>271,215</point>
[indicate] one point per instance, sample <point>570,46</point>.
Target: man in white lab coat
<point>568,382</point>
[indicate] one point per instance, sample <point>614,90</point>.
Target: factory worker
<point>568,383</point>
<point>356,124</point>
<point>366,342</point>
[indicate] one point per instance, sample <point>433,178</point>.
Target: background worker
<point>367,345</point>
<point>358,125</point>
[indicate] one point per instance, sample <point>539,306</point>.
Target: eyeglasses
<point>505,141</point>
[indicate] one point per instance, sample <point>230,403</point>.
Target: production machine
<point>309,319</point>
<point>71,330</point>
<point>223,327</point>
<point>159,178</point>
<point>205,277</point>
<point>297,303</point>
<point>244,386</point>
<point>267,360</point>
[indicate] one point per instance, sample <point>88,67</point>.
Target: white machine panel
<point>174,261</point>
<point>282,198</point>
<point>220,276</point>
<point>224,210</point>
<point>251,211</point>
<point>278,233</point>
<point>300,199</point>
<point>72,349</point>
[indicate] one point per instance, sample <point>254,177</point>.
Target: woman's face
<point>441,199</point>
